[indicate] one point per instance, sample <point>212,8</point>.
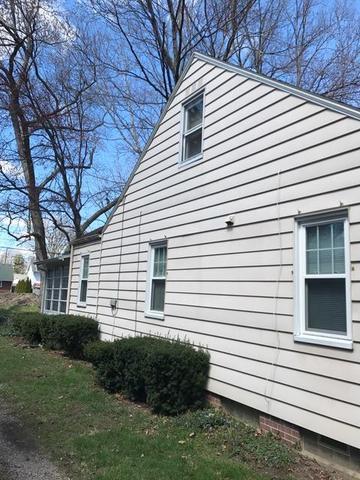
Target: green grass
<point>92,434</point>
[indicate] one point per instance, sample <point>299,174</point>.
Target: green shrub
<point>69,333</point>
<point>98,352</point>
<point>27,325</point>
<point>119,366</point>
<point>24,286</point>
<point>176,376</point>
<point>170,376</point>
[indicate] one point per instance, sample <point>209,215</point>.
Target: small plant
<point>206,420</point>
<point>250,446</point>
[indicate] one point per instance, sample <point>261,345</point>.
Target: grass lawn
<point>91,434</point>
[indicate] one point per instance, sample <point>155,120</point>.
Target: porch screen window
<point>56,289</point>
<point>84,274</point>
<point>157,279</point>
<point>324,293</point>
<point>193,129</point>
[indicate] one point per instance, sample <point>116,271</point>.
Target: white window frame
<point>184,133</point>
<point>81,279</point>
<point>301,334</point>
<point>148,312</point>
<point>61,288</point>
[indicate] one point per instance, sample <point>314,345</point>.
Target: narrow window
<point>84,273</point>
<point>324,302</point>
<point>156,298</point>
<point>192,129</point>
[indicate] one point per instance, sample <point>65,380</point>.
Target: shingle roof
<point>6,272</point>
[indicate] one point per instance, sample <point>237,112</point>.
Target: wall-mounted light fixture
<point>229,221</point>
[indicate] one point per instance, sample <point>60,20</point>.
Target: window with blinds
<point>323,281</point>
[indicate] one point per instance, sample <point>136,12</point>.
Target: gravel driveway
<point>20,458</point>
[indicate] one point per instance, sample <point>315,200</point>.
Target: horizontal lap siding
<point>268,156</point>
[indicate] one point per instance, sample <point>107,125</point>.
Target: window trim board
<point>300,332</point>
<point>80,303</point>
<point>182,162</point>
<point>149,277</point>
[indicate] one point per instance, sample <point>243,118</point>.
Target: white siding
<point>268,155</point>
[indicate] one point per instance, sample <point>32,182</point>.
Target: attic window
<point>192,134</point>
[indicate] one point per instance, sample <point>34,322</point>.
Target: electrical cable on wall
<point>137,273</point>
<point>99,278</point>
<point>271,377</point>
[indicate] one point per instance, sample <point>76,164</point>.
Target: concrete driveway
<point>20,457</point>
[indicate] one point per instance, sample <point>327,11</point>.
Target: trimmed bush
<point>99,352</point>
<point>24,286</point>
<point>27,325</point>
<point>176,376</point>
<point>170,376</point>
<point>69,333</point>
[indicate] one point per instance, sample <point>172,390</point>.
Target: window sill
<point>343,343</point>
<point>154,315</point>
<point>186,163</point>
<point>81,305</point>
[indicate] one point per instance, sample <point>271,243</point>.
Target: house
<point>17,278</point>
<point>34,275</point>
<point>6,277</point>
<point>239,229</point>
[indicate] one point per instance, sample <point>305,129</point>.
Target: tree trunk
<point>24,151</point>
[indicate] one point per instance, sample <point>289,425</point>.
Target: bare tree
<point>309,43</point>
<point>48,103</point>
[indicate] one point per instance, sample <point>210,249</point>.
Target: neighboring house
<point>239,229</point>
<point>17,278</point>
<point>34,275</point>
<point>6,277</point>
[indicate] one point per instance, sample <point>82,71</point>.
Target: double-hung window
<point>323,281</point>
<point>157,280</point>
<point>84,274</point>
<point>192,135</point>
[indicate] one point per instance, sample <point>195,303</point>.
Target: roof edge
<point>151,138</point>
<point>286,87</point>
<point>86,239</point>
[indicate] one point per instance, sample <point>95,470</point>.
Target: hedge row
<point>168,375</point>
<point>57,332</point>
